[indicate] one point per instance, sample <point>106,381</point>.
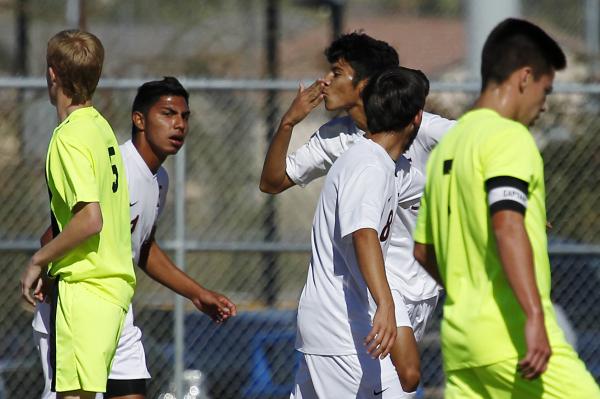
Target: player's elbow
<point>95,225</point>
<point>93,219</point>
<point>88,217</point>
<point>268,188</point>
<point>410,377</point>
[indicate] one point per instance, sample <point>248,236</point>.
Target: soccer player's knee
<point>410,376</point>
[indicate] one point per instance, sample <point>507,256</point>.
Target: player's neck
<point>357,113</point>
<point>500,98</point>
<point>392,142</point>
<point>65,106</point>
<point>152,160</point>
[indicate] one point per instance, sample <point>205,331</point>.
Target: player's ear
<point>418,118</point>
<point>137,118</point>
<point>525,77</point>
<point>51,77</point>
<point>362,84</point>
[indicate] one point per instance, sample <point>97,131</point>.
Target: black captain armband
<point>507,193</point>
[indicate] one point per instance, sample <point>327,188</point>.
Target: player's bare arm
<point>516,256</point>
<point>273,179</point>
<point>370,261</point>
<point>405,358</point>
<point>425,255</point>
<point>86,222</point>
<point>42,290</point>
<point>157,264</point>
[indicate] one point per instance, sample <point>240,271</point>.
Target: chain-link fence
<point>254,247</point>
<point>217,224</point>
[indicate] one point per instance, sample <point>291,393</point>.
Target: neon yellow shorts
<point>566,377</point>
<point>86,333</point>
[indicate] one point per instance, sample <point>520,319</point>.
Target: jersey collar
<point>139,161</point>
<point>79,113</point>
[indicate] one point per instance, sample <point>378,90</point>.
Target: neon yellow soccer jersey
<point>483,321</point>
<point>84,165</point>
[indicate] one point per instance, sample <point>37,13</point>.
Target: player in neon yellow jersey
<point>481,232</point>
<point>160,122</point>
<point>90,255</point>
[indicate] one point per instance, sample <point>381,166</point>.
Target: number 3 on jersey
<point>115,185</point>
<point>385,232</point>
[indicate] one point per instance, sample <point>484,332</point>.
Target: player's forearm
<point>371,265</point>
<point>425,255</point>
<point>274,179</point>
<point>86,222</point>
<point>516,257</point>
<point>161,269</point>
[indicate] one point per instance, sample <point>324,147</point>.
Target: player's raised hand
<point>383,334</point>
<point>218,307</point>
<point>305,101</point>
<point>538,353</point>
<point>30,280</point>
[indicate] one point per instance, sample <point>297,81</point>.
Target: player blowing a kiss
<point>354,58</point>
<point>346,314</point>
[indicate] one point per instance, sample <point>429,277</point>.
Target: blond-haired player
<point>160,115</point>
<point>90,254</point>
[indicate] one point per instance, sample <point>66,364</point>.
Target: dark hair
<point>393,98</point>
<point>367,56</point>
<point>515,43</point>
<point>150,92</point>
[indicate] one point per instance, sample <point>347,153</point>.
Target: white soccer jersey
<point>314,159</point>
<point>147,196</point>
<point>336,309</point>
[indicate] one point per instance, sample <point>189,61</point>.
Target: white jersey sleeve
<point>162,178</point>
<point>361,199</point>
<point>433,128</point>
<point>409,181</point>
<point>147,192</point>
<point>314,158</point>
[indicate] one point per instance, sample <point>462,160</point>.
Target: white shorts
<point>414,314</point>
<point>129,362</point>
<point>349,376</point>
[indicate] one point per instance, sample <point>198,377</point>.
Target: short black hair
<point>367,56</point>
<point>393,98</point>
<point>514,44</point>
<point>150,92</point>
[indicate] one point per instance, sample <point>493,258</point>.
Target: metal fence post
<point>270,272</point>
<point>180,252</point>
<point>592,32</point>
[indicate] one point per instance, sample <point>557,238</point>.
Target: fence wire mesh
<point>252,355</point>
<point>250,246</point>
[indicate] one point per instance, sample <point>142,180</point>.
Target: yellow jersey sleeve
<point>509,152</point>
<point>73,171</point>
